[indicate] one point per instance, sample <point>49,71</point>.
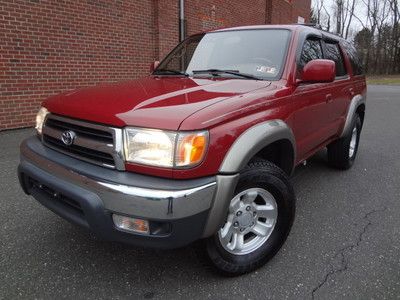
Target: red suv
<point>203,147</point>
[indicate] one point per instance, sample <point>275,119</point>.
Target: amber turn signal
<point>131,224</point>
<point>191,148</point>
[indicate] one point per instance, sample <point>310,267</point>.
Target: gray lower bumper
<point>134,194</point>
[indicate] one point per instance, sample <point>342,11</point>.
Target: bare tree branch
<point>379,39</point>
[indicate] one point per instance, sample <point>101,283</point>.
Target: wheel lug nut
<point>236,224</point>
<point>248,208</point>
<point>239,213</point>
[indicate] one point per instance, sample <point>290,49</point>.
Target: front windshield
<point>260,53</point>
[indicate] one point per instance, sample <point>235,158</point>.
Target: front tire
<point>342,152</point>
<point>258,220</point>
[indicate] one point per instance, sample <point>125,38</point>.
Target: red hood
<point>149,102</point>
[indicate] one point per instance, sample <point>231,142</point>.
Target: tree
<point>379,39</point>
<point>351,14</point>
<point>362,42</point>
<point>320,14</point>
<point>395,46</point>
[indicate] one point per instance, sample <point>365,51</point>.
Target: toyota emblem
<point>68,137</point>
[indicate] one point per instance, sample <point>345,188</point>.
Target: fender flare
<point>354,104</point>
<point>252,141</point>
<point>248,144</point>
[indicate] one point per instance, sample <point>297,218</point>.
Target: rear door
<point>341,89</point>
<point>355,64</point>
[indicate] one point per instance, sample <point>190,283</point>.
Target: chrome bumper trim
<point>154,194</point>
<point>128,200</point>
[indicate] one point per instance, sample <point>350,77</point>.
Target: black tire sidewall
<point>338,151</point>
<point>356,124</point>
<point>285,199</point>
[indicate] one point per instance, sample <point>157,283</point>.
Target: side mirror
<point>154,66</point>
<point>319,71</point>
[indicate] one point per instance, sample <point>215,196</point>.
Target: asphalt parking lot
<point>345,242</point>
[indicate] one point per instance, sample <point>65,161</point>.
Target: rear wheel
<point>342,153</point>
<point>258,220</point>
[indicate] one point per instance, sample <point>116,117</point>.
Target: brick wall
<point>284,10</point>
<point>208,14</point>
<point>167,25</point>
<point>49,46</point>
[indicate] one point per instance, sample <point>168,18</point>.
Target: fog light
<point>131,224</point>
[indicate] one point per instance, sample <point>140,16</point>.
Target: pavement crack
<point>341,253</point>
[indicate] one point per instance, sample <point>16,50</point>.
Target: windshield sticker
<point>267,70</point>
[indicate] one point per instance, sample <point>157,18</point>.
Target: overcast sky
<point>360,12</point>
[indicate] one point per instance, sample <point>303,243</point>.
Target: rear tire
<point>342,152</point>
<point>265,200</point>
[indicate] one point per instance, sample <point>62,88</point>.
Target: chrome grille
<point>94,143</point>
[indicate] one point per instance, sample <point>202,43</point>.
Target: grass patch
<point>384,80</point>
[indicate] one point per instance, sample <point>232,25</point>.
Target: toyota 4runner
<point>203,147</point>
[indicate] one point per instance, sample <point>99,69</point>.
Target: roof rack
<point>315,25</point>
<point>319,27</point>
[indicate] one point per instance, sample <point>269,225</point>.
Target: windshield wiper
<point>216,72</point>
<point>168,71</point>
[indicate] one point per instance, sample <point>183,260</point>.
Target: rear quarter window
<point>355,61</point>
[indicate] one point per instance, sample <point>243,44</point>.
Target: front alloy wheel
<point>258,220</point>
<point>251,220</point>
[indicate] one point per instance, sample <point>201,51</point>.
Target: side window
<point>355,60</point>
<point>333,53</point>
<point>312,49</point>
<point>182,58</point>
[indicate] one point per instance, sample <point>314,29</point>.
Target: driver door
<point>311,122</point>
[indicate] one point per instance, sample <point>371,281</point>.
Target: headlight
<point>40,117</point>
<point>149,147</point>
<point>165,148</point>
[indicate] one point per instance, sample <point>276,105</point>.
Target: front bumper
<point>179,211</point>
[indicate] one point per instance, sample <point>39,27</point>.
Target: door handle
<point>329,98</point>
